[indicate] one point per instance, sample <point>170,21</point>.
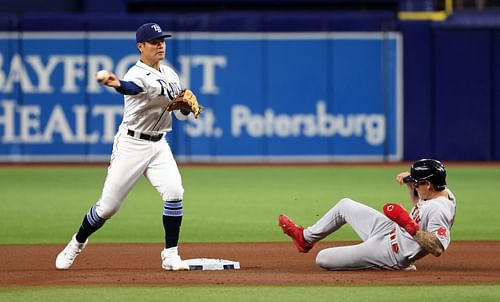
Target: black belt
<point>148,137</point>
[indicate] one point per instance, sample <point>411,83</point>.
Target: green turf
<point>231,204</point>
<point>42,205</point>
<point>463,293</point>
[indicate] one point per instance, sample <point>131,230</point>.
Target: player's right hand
<point>401,176</point>
<point>108,79</point>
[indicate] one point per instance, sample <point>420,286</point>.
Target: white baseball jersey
<point>147,112</point>
<point>133,156</point>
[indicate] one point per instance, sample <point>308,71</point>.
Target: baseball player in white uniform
<point>140,147</point>
<point>393,241</point>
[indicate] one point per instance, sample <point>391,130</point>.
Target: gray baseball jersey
<point>436,216</point>
<point>384,244</point>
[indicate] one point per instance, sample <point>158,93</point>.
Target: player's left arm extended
<point>429,242</point>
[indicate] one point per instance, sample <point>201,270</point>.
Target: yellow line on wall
<point>428,16</point>
<point>422,16</point>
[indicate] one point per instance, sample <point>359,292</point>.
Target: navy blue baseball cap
<point>148,32</point>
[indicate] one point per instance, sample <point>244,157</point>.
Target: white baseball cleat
<point>171,261</point>
<point>67,256</point>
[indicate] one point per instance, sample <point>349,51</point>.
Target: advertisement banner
<point>267,97</point>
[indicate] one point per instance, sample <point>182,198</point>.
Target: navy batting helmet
<point>430,170</point>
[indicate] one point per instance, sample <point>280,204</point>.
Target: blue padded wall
<point>463,86</point>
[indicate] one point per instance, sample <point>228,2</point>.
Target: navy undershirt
<point>128,88</point>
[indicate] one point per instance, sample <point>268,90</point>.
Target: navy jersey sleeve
<point>128,88</point>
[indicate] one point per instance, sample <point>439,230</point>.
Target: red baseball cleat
<point>295,232</point>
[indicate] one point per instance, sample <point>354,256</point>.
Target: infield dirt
<point>465,262</point>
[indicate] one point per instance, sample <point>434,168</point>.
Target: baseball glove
<point>186,101</point>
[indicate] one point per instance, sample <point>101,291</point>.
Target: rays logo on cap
<point>156,27</point>
<point>148,32</point>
